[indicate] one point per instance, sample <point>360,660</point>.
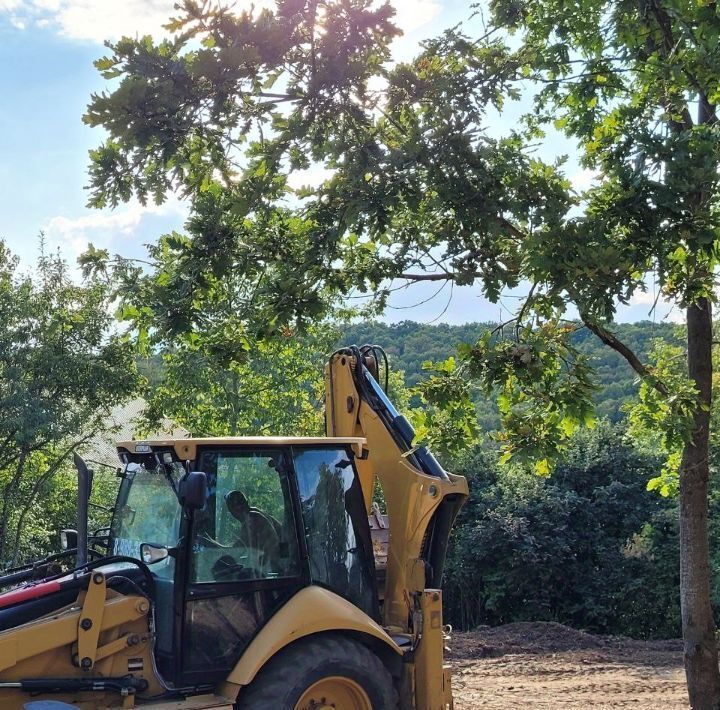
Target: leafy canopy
<point>62,370</point>
<point>419,188</point>
<point>275,388</point>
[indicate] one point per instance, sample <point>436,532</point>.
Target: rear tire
<point>326,671</point>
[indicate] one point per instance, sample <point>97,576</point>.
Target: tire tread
<point>300,659</point>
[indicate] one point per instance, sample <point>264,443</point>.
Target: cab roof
<point>187,448</point>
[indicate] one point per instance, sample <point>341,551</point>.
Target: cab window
<point>336,525</point>
<point>147,511</point>
<point>247,530</point>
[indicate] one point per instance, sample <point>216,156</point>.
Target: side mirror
<point>151,553</point>
<point>192,490</point>
<point>68,539</point>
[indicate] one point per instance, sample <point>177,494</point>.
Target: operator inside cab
<point>258,534</point>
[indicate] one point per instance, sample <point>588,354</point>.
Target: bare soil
<point>546,666</point>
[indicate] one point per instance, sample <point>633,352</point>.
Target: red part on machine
<point>35,592</point>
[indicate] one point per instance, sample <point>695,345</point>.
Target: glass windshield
<point>147,511</point>
<point>336,524</point>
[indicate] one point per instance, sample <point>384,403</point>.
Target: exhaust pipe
<point>85,476</point>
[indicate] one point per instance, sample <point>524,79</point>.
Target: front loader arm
<point>94,651</point>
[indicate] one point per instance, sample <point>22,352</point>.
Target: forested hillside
<point>410,344</point>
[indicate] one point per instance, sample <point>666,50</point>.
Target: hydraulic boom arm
<point>422,498</point>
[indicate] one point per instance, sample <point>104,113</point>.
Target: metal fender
<point>312,610</point>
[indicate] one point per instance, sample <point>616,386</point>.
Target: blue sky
<point>46,77</point>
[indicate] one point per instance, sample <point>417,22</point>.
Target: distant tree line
<point>410,344</point>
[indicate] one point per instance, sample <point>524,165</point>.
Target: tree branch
<point>618,346</point>
<point>10,490</point>
<point>49,473</point>
<point>668,49</point>
<point>444,276</point>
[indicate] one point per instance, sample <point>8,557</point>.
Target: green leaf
<point>542,467</point>
<point>505,457</point>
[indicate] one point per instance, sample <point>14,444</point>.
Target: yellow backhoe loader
<point>241,573</point>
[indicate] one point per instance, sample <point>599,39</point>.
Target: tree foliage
<point>61,371</point>
<point>275,388</point>
<point>234,104</point>
<point>586,547</point>
<point>420,191</point>
<point>409,344</point>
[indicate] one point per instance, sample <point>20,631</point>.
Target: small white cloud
<point>93,20</point>
<point>413,14</point>
<point>105,228</point>
<point>51,5</point>
<point>100,20</point>
<point>18,23</point>
<point>640,298</point>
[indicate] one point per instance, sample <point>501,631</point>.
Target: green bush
<point>588,546</point>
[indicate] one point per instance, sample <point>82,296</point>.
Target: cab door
<point>243,560</point>
<point>335,525</point>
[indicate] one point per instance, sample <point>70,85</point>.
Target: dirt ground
<point>546,666</point>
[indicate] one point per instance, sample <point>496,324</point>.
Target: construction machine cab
<point>279,514</point>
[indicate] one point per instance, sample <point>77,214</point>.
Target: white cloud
<point>105,229</point>
<point>52,5</point>
<point>93,20</point>
<point>641,298</point>
<point>99,20</point>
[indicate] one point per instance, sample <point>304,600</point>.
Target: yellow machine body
<point>411,498</point>
<point>52,646</point>
<point>106,634</point>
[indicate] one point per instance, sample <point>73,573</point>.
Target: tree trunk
<point>700,646</point>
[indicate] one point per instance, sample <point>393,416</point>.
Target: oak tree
<point>418,189</point>
<point>62,371</point>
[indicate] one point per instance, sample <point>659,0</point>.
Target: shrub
<point>588,546</point>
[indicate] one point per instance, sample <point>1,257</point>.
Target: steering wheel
<point>227,569</point>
